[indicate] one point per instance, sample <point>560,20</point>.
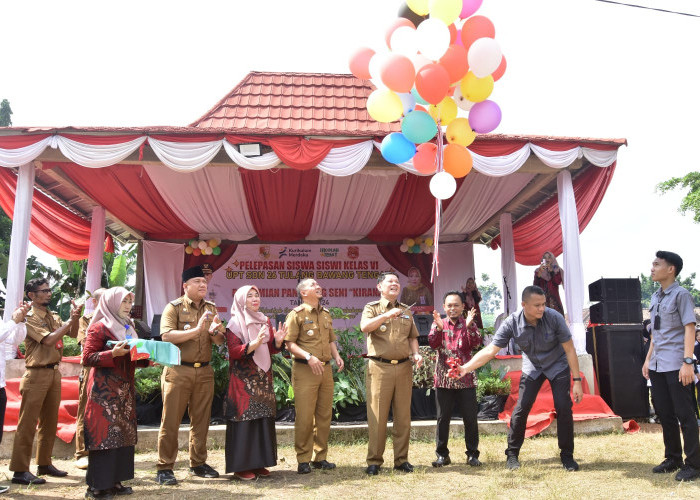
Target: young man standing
<point>669,366</point>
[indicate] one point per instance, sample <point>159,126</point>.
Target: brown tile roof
<point>297,104</point>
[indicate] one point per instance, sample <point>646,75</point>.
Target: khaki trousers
<point>313,402</point>
<point>388,386</point>
<point>41,396</point>
<point>185,387</point>
<point>80,450</point>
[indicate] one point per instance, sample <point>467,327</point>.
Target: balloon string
<point>435,270</point>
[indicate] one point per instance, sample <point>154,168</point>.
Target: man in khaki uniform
<point>41,384</point>
<point>192,324</point>
<point>311,341</point>
<point>392,341</point>
<point>81,454</point>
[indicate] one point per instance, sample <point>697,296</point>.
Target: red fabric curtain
<point>303,154</point>
<point>53,228</point>
<point>100,140</point>
<point>216,261</point>
<point>20,141</point>
<point>403,261</point>
<point>410,211</point>
<point>127,192</point>
<point>281,202</point>
<point>540,231</point>
<point>496,148</point>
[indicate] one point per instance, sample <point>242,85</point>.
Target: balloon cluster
<point>204,247</point>
<point>447,61</point>
<point>417,245</point>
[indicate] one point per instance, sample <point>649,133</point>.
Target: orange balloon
<point>398,22</point>
<point>453,33</point>
<point>456,160</point>
<point>425,159</point>
<point>433,82</point>
<point>420,108</point>
<point>477,27</point>
<point>359,63</point>
<point>398,74</point>
<point>500,70</point>
<point>455,62</point>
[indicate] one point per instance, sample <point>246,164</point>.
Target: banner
<point>347,273</point>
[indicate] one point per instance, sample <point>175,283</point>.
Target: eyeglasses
<point>45,290</point>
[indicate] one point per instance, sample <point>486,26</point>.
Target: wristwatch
<point>688,361</point>
<point>307,356</point>
<point>577,379</point>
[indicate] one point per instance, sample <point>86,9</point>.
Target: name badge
<point>310,332</point>
<point>406,316</point>
<point>186,327</point>
<point>382,328</point>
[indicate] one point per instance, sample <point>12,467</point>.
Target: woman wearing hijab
<point>548,277</point>
<point>110,411</point>
<point>415,292</point>
<point>250,407</point>
<point>472,297</point>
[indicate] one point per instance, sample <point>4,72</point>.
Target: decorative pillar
<point>510,282</point>
<point>96,253</point>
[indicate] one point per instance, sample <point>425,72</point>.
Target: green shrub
<point>423,377</point>
<point>147,382</point>
<point>491,382</point>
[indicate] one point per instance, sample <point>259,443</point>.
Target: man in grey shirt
<point>669,365</point>
<point>548,354</point>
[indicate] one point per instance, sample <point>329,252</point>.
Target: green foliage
<point>219,364</point>
<point>5,114</point>
<point>282,381</point>
<point>350,385</point>
<point>491,382</point>
<point>423,377</point>
<point>490,296</point>
<point>649,287</point>
<point>691,201</point>
<point>117,277</point>
<point>147,382</point>
<point>71,347</point>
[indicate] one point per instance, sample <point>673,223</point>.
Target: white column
<point>96,253</point>
<point>510,282</point>
<point>573,268</point>
<point>19,243</point>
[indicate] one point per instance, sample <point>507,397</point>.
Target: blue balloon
<point>417,96</point>
<point>419,127</point>
<point>408,101</point>
<point>397,149</point>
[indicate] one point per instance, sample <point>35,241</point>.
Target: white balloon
<point>433,38</point>
<point>484,57</point>
<point>443,185</point>
<point>404,40</point>
<point>462,102</point>
<point>404,247</point>
<point>408,101</point>
<point>375,68</point>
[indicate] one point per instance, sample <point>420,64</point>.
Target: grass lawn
<point>612,466</point>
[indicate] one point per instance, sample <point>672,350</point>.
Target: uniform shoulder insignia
<point>324,309</point>
<point>298,309</point>
<point>29,313</point>
<point>176,302</point>
<point>402,305</point>
<point>210,303</point>
<point>373,303</point>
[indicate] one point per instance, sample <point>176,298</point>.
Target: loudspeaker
<point>155,325</point>
<point>618,356</point>
<point>615,289</point>
<point>423,323</point>
<point>616,312</point>
<point>280,319</point>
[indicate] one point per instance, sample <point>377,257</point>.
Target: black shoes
<point>405,467</point>
<point>303,468</point>
<point>512,462</point>
<point>122,490</point>
<point>27,478</point>
<point>99,494</point>
<point>473,461</point>
<point>569,463</point>
<point>166,477</point>
<point>323,465</point>
<point>687,473</point>
<point>204,471</point>
<point>666,466</point>
<point>372,470</point>
<point>50,470</point>
<point>4,489</point>
<point>442,461</point>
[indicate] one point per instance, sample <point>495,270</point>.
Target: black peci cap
<point>192,272</point>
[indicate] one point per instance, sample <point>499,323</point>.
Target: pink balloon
<point>359,63</point>
<point>484,117</point>
<point>469,7</point>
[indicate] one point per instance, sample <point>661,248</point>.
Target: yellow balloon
<point>460,132</point>
<point>445,111</point>
<point>418,240</point>
<point>213,243</point>
<point>189,250</point>
<point>429,242</point>
<point>445,10</point>
<point>384,106</point>
<point>420,7</point>
<point>476,89</point>
<point>410,242</point>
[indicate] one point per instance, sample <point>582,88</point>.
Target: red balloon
<point>453,33</point>
<point>197,252</point>
<point>425,159</point>
<point>359,63</point>
<point>500,70</point>
<point>420,108</point>
<point>455,62</point>
<point>398,74</point>
<point>477,27</point>
<point>398,22</point>
<point>433,82</point>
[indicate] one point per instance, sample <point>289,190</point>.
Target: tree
<point>490,295</point>
<point>649,287</point>
<point>691,201</point>
<point>5,114</point>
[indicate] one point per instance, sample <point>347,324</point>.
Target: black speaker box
<point>607,289</point>
<point>423,323</point>
<point>616,312</point>
<point>618,357</point>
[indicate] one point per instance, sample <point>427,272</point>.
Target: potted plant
<point>423,400</point>
<point>492,391</point>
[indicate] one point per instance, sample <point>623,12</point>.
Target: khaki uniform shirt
<point>84,323</point>
<point>40,324</point>
<point>182,314</point>
<point>390,339</point>
<point>311,329</point>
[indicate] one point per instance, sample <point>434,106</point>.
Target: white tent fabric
<point>456,265</point>
<point>510,282</point>
<point>187,156</point>
<point>162,267</point>
<point>12,158</point>
<point>262,162</point>
<point>93,279</point>
<point>96,155</point>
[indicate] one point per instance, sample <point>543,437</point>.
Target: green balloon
<point>216,250</point>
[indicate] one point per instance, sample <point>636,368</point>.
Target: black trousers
<point>561,391</point>
<point>3,405</point>
<point>465,401</point>
<point>673,403</point>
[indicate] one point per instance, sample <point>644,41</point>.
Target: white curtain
<point>162,267</point>
<point>262,162</point>
<point>97,155</point>
<point>501,165</point>
<point>20,156</point>
<point>185,156</point>
<point>19,241</point>
<point>573,267</point>
<point>510,282</point>
<point>456,265</point>
<point>95,253</point>
<point>347,160</point>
